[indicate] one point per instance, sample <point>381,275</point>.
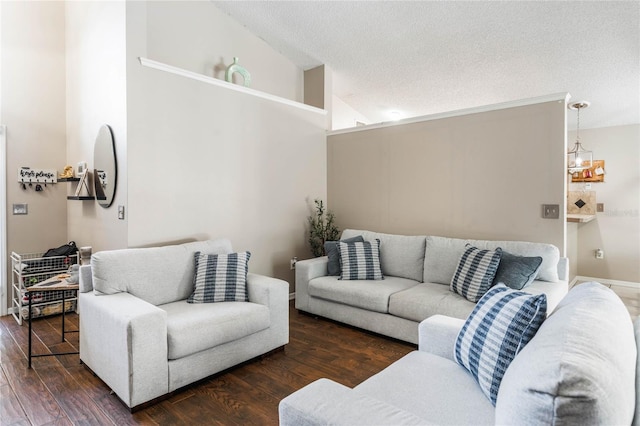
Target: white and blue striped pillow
<point>220,278</point>
<point>500,325</point>
<point>475,272</point>
<point>360,260</point>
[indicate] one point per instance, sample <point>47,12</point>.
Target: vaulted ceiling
<point>427,57</point>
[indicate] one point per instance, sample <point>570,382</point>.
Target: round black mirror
<point>105,172</point>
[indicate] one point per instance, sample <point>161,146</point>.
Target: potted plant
<point>321,228</point>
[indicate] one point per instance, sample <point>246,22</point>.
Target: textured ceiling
<point>421,58</point>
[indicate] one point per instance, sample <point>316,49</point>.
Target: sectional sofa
<point>580,368</point>
<point>417,273</point>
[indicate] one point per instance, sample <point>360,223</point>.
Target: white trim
<point>4,282</point>
<point>607,281</point>
<point>221,83</point>
<point>292,295</point>
<point>564,97</point>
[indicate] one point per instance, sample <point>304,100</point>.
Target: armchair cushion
<point>217,323</point>
<point>220,278</point>
<point>501,324</point>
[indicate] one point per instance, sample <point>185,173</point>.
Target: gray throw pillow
<point>331,248</point>
<point>517,271</point>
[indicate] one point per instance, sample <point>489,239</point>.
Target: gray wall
<point>482,174</point>
<point>32,106</point>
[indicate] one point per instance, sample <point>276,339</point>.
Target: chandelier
<point>578,158</point>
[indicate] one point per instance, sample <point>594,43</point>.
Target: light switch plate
<point>22,208</point>
<point>551,211</point>
<point>599,207</point>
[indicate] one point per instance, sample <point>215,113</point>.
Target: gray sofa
<point>142,338</point>
<point>417,272</point>
<point>580,368</point>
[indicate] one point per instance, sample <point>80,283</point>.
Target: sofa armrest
<point>123,339</point>
<point>437,335</point>
<point>274,294</point>
<point>85,279</point>
<point>325,402</point>
<point>306,270</point>
<point>563,269</point>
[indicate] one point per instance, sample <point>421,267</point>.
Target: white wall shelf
<point>221,83</point>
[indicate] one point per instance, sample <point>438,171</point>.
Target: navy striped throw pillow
<point>360,260</point>
<point>220,278</point>
<point>475,272</point>
<point>500,325</point>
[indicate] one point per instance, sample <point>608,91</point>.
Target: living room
<point>254,178</point>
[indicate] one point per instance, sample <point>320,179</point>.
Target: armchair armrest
<point>325,402</point>
<point>123,339</point>
<point>85,279</point>
<point>437,335</point>
<point>306,270</point>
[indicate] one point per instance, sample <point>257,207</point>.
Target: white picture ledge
<point>216,82</point>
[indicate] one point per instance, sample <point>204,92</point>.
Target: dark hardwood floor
<point>60,391</point>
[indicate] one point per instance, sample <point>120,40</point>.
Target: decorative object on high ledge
<point>321,228</point>
<point>237,68</point>
<point>578,158</point>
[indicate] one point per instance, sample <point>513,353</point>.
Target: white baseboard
<point>607,281</point>
<point>292,295</point>
<point>12,310</point>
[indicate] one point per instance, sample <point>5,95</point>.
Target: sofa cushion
<point>220,278</point>
<point>157,275</point>
<point>333,255</point>
<point>517,271</point>
<point>426,299</point>
<point>365,294</point>
<point>400,255</point>
<point>360,260</point>
<point>442,254</point>
<point>431,387</point>
<point>584,358</point>
<point>193,328</point>
<point>475,272</point>
<point>501,324</point>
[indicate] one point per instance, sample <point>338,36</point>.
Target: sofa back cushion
<point>400,255</point>
<point>442,255</point>
<point>580,368</point>
<point>157,275</point>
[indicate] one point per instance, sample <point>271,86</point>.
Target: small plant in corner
<point>321,228</point>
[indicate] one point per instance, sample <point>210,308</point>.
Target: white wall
<point>33,108</point>
<point>482,174</point>
<point>617,229</point>
<point>96,95</point>
<point>197,36</point>
<point>343,116</point>
<point>209,162</point>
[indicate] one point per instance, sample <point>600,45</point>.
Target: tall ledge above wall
<point>564,97</point>
<point>216,82</point>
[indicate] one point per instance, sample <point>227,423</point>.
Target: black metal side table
<point>57,283</point>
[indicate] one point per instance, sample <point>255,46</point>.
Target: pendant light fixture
<point>578,158</point>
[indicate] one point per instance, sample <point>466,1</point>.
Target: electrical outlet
<point>121,212</point>
<point>599,254</point>
<point>292,263</point>
<point>551,211</point>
